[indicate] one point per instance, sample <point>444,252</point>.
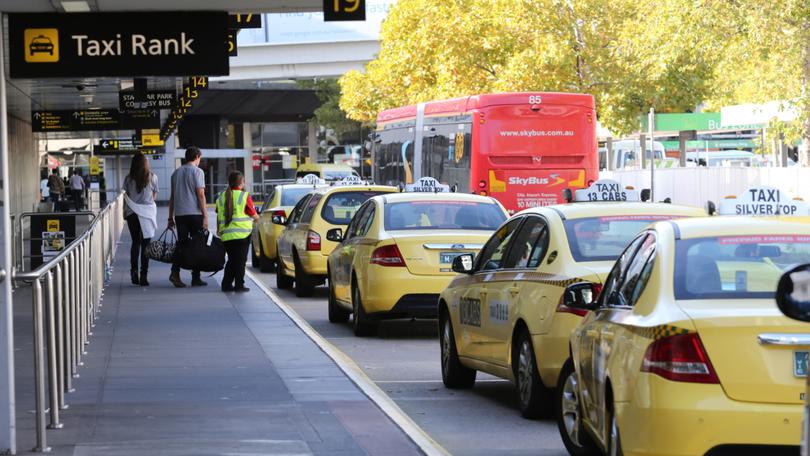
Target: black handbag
<point>201,252</point>
<point>163,248</point>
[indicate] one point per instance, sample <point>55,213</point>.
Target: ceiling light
<point>79,6</point>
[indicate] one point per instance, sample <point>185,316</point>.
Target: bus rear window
<point>605,238</point>
<point>443,215</point>
<point>339,208</point>
<point>736,267</point>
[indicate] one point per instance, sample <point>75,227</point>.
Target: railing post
<point>39,370</point>
<point>60,336</point>
<point>53,376</point>
<point>76,321</point>
<point>70,365</point>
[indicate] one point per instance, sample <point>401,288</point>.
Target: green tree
<point>329,113</point>
<point>630,54</point>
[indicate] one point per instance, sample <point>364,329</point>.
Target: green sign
<point>711,144</point>
<point>700,121</point>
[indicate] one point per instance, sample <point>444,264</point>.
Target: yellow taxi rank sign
<point>427,185</point>
<point>762,201</point>
<point>606,190</point>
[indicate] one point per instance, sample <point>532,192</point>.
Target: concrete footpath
<point>196,371</point>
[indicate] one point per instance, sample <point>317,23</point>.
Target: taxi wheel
<point>283,282</point>
<point>569,414</point>
<point>266,264</point>
<point>614,439</point>
<point>363,326</point>
<point>454,374</point>
<point>336,313</point>
<point>254,259</point>
<point>303,284</point>
<point>533,397</point>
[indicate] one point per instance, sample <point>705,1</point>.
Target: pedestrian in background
<point>56,188</point>
<point>77,188</point>
<point>44,191</point>
<point>187,209</point>
<point>140,211</point>
<point>235,217</point>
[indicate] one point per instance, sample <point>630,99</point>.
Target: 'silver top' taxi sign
<point>118,44</point>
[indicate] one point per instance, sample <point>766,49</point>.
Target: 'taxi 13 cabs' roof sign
<point>118,44</point>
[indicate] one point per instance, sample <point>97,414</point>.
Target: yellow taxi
<point>395,256</point>
<point>278,205</point>
<point>326,171</point>
<point>503,315</point>
<point>303,247</point>
<point>685,352</point>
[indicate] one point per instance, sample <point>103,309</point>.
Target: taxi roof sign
<point>427,185</point>
<point>310,179</point>
<point>762,200</point>
<point>606,190</point>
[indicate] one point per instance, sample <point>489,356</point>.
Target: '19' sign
<point>344,10</point>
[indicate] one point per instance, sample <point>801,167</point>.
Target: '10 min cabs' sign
<point>762,201</point>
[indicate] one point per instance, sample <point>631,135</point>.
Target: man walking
<point>187,209</point>
<point>56,188</point>
<point>77,188</point>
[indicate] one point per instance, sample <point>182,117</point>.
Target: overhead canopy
<point>256,105</point>
<point>247,6</point>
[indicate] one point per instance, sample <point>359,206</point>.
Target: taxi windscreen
<point>605,238</point>
<point>734,267</point>
<point>339,208</point>
<point>443,215</point>
<point>291,196</point>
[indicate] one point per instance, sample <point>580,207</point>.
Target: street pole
<point>650,126</point>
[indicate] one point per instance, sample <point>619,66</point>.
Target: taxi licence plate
<point>448,257</point>
<point>800,363</point>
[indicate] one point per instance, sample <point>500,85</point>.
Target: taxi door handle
<point>514,291</point>
<point>482,293</point>
<point>592,333</point>
<point>607,336</point>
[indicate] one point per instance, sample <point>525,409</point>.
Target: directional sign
<point>344,10</point>
<point>232,48</point>
<point>163,99</point>
<point>189,93</point>
<point>118,44</point>
<point>94,120</point>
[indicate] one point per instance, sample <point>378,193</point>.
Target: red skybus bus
<point>521,148</point>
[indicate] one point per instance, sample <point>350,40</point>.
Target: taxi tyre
<point>283,282</point>
<point>336,313</point>
<point>303,283</point>
<point>254,258</point>
<point>534,399</point>
<point>454,374</point>
<point>363,326</point>
<point>582,444</point>
<point>266,264</point>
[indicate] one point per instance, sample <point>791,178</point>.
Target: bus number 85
<point>535,99</point>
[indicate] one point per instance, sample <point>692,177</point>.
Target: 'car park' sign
<point>118,44</point>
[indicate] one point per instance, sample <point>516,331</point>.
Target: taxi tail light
<point>562,308</point>
<point>680,358</point>
<point>313,241</point>
<point>387,255</point>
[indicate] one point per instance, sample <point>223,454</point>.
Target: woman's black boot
<point>143,281</point>
<point>133,274</point>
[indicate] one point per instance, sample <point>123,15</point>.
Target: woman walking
<point>140,211</point>
<point>235,217</point>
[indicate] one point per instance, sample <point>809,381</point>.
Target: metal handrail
<point>74,283</point>
<point>20,264</point>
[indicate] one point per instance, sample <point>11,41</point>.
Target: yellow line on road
<point>356,375</point>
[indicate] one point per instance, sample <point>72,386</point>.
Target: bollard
<point>39,370</point>
<point>53,377</point>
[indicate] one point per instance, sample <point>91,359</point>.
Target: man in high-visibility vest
<point>235,217</point>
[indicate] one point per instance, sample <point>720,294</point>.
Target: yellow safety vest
<point>241,225</point>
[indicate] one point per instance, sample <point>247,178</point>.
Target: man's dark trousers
<point>186,226</point>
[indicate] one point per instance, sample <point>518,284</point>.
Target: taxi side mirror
<point>463,264</point>
<point>645,194</point>
<point>279,220</point>
<point>793,293</point>
<point>582,296</point>
<point>334,235</point>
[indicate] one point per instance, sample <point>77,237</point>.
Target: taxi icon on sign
<point>41,45</point>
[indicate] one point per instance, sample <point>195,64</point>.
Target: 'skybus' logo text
<point>528,181</point>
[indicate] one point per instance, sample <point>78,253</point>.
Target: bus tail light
<point>562,308</point>
<point>482,184</point>
<point>680,358</point>
<point>313,241</point>
<point>387,255</point>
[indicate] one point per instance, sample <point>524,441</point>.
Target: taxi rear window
<point>291,196</point>
<point>339,208</point>
<point>443,215</point>
<point>736,267</point>
<point>605,238</point>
